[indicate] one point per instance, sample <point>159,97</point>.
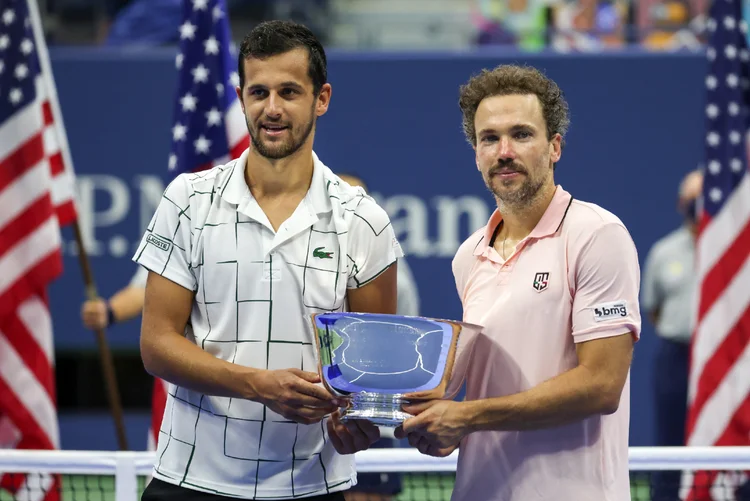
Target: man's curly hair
<point>508,80</point>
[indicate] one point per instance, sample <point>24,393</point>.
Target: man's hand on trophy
<point>294,394</point>
<point>351,436</point>
<point>436,428</point>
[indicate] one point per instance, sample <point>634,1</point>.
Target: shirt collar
<point>548,225</point>
<point>236,190</point>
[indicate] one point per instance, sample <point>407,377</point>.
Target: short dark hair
<point>510,79</point>
<point>271,38</point>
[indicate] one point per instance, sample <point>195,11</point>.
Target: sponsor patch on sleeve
<point>608,311</point>
<point>159,242</point>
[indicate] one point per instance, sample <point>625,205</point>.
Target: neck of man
<point>269,178</point>
<point>520,219</point>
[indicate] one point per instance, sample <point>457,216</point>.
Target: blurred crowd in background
<point>565,25</point>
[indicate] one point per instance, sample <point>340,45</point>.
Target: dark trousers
<point>670,404</point>
<point>163,491</point>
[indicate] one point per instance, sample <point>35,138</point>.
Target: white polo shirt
<point>255,289</point>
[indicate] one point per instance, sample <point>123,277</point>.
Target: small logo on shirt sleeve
<point>608,311</point>
<point>159,242</point>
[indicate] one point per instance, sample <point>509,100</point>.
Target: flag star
<point>27,46</point>
<point>9,15</point>
<point>200,4</point>
<point>714,166</point>
<point>219,89</point>
<point>712,111</point>
<point>187,30</point>
<point>729,23</point>
<point>2,66</point>
<point>743,26</point>
<point>711,82</point>
<point>730,51</point>
<point>711,53</point>
<point>21,71</point>
<point>732,80</point>
<point>735,164</point>
<point>172,161</point>
<point>711,24</point>
<point>200,74</point>
<point>715,195</point>
<point>234,79</point>
<point>15,96</point>
<point>735,137</point>
<point>713,139</point>
<point>217,13</point>
<point>212,45</point>
<point>188,102</point>
<point>179,132</point>
<point>4,42</point>
<point>178,60</point>
<point>213,117</point>
<point>734,109</point>
<point>744,55</point>
<point>202,145</point>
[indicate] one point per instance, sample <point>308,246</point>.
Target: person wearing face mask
<point>668,296</point>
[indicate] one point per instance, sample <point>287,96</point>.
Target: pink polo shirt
<point>573,279</point>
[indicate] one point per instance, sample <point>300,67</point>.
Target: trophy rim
<point>439,391</point>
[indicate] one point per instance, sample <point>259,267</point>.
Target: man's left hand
<point>351,436</point>
<point>436,428</point>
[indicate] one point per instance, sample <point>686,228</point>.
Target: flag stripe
<point>28,350</point>
<point>18,129</point>
<point>717,323</point>
<point>30,154</point>
<point>727,358</point>
<point>716,416</point>
<point>56,165</point>
<point>31,396</point>
<point>724,271</point>
<point>722,229</point>
<point>39,244</point>
<point>27,190</point>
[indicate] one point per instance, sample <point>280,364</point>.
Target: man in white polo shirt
<point>240,256</point>
<point>554,281</point>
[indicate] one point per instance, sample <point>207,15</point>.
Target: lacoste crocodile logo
<point>322,254</point>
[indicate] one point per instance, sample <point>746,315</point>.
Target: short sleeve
<point>372,244</point>
<point>166,246</point>
<point>651,296</point>
<point>607,278</point>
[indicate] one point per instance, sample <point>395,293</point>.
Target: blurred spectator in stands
<point>668,25</point>
<point>668,294</point>
<point>511,22</point>
<point>586,25</point>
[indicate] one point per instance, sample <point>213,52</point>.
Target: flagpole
<point>105,354</point>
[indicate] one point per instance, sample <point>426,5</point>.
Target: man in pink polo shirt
<point>554,281</point>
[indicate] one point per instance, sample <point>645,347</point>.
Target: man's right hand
<point>294,394</point>
<point>94,314</point>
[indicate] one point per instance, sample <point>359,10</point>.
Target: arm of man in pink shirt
<point>605,271</point>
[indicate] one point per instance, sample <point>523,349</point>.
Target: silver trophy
<point>378,362</point>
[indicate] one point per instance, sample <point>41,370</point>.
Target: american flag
<point>36,199</point>
<point>209,127</point>
<point>719,385</point>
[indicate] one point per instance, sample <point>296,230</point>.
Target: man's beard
<point>282,149</point>
<point>520,198</point>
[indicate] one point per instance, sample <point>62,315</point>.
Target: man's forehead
<point>274,70</point>
<point>511,107</point>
